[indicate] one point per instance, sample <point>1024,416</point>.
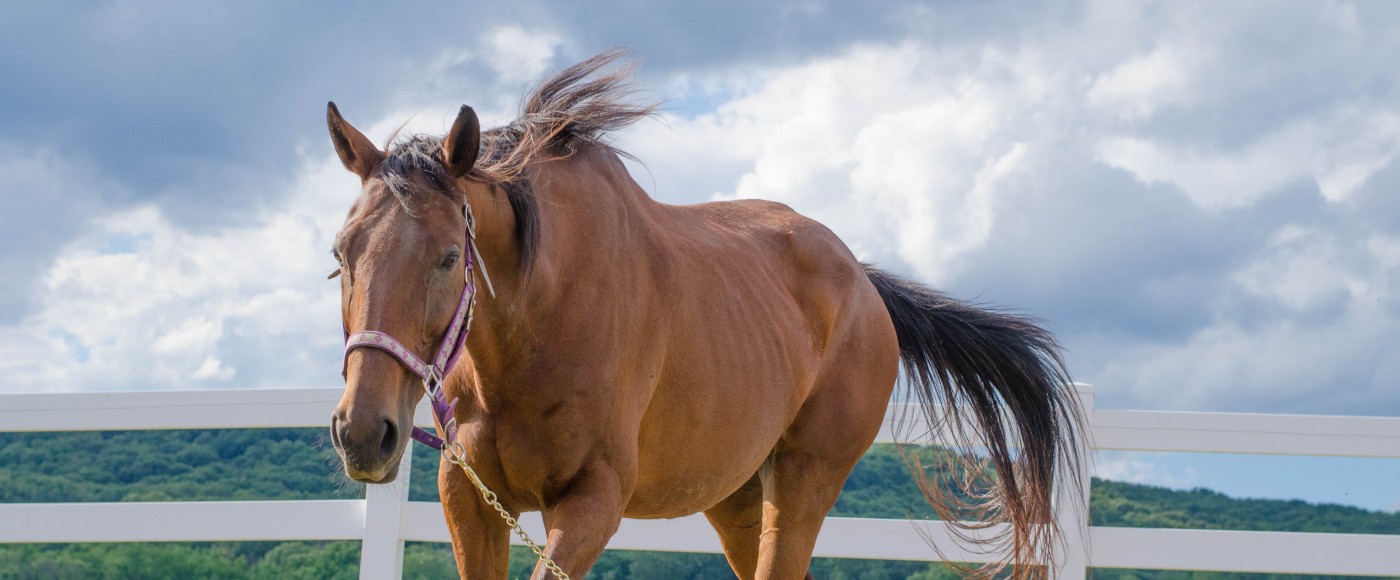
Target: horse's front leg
<point>581,521</point>
<point>480,538</point>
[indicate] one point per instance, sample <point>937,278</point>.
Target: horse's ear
<point>356,151</point>
<point>462,144</point>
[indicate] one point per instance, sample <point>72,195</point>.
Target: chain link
<point>456,454</point>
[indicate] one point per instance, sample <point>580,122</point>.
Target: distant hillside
<point>297,464</point>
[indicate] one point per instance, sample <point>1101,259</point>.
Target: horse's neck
<point>587,203</point>
<point>588,206</point>
<point>497,304</point>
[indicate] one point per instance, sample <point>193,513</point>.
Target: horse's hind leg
<point>738,520</point>
<point>798,491</point>
<point>816,453</point>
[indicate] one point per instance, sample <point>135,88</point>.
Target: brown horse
<point>644,360</point>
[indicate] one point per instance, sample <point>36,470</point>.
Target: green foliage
<point>422,561</point>
<point>423,486</point>
<point>179,561</point>
<point>881,485</point>
<point>309,561</point>
<point>1113,574</point>
<point>1141,506</point>
<point>232,464</point>
<point>298,464</point>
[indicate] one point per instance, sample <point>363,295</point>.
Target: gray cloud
<point>46,198</point>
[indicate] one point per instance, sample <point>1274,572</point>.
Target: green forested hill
<point>297,464</point>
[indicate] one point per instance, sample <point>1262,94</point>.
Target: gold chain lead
<point>454,454</point>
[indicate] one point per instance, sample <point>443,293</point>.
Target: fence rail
<point>385,518</point>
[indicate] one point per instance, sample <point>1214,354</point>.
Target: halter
<point>454,343</point>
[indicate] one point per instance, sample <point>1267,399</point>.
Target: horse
<point>643,360</point>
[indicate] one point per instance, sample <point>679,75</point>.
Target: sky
<point>1201,199</point>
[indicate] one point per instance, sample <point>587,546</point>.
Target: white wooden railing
<point>385,518</point>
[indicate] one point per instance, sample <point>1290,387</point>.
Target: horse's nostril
<point>391,439</point>
<point>337,432</point>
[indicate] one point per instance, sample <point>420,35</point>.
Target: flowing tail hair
<point>1001,384</point>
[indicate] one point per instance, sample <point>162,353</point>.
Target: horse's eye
<point>339,262</point>
<point>450,260</point>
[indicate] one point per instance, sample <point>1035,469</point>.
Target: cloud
<point>1136,89</point>
<point>1305,268</point>
<point>45,198</point>
<point>1202,206</point>
<point>518,55</point>
<point>1187,263</point>
<point>1326,345</point>
<point>1139,468</point>
<point>140,302</point>
<point>868,142</point>
<point>1338,151</point>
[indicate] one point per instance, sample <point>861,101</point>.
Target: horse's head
<point>402,274</point>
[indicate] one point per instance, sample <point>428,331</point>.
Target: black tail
<point>1001,384</point>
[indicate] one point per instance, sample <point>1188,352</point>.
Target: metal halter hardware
<point>454,343</point>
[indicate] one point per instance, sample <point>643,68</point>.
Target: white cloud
<point>139,302</point>
<point>489,75</point>
<point>1386,250</point>
<point>903,160</point>
<point>1138,468</point>
<point>934,172</point>
<point>519,55</point>
<point>1337,151</point>
<point>1305,268</point>
<point>211,368</point>
<point>1138,88</point>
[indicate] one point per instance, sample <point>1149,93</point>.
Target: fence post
<point>1072,501</point>
<point>381,550</point>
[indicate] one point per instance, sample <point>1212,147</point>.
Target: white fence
<point>385,519</point>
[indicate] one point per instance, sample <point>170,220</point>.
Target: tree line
<point>270,464</point>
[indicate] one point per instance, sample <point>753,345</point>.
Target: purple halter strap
<point>454,343</point>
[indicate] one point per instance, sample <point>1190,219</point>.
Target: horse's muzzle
<point>369,446</point>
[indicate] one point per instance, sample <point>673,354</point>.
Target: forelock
<point>419,155</point>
